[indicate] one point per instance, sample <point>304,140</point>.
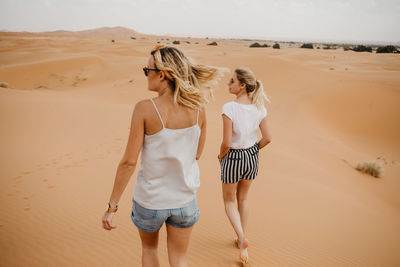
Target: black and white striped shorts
<point>239,164</point>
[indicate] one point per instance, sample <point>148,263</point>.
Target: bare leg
<point>149,249</point>
<point>229,196</point>
<point>178,243</point>
<point>241,194</point>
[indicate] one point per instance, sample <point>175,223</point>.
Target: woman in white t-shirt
<point>239,149</point>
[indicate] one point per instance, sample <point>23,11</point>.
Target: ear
<point>162,75</point>
<point>242,86</point>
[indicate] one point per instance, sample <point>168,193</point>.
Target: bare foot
<point>244,256</point>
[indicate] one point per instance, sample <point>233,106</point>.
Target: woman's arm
<point>128,162</point>
<point>227,136</point>
<point>266,136</point>
<point>203,127</point>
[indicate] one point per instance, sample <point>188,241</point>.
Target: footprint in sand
<point>28,172</point>
<point>27,209</point>
<point>51,187</point>
<point>17,177</point>
<point>10,194</point>
<point>44,180</point>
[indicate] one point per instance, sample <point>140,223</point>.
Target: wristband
<point>109,210</point>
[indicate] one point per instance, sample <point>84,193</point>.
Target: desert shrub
<point>133,38</point>
<point>113,41</point>
<point>258,45</point>
<point>187,42</point>
<point>362,48</point>
<point>255,45</point>
<point>4,85</point>
<point>387,49</point>
<point>276,46</point>
<point>374,169</point>
<point>310,46</point>
<point>176,42</point>
<point>213,43</point>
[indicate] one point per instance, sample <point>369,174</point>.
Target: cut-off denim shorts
<point>149,220</point>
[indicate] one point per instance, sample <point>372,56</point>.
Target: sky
<point>312,20</point>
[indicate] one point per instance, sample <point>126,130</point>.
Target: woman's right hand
<point>107,221</point>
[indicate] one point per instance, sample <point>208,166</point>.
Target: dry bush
<point>4,85</point>
<point>276,46</point>
<point>374,169</point>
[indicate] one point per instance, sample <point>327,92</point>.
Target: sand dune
<point>99,32</point>
<point>65,124</point>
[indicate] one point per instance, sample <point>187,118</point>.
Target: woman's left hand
<point>107,221</point>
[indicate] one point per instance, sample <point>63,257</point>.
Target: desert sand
<point>65,119</point>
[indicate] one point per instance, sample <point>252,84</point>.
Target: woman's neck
<point>243,98</point>
<point>166,92</point>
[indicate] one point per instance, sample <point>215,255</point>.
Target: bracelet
<point>109,210</point>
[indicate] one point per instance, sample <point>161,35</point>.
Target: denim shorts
<point>149,220</point>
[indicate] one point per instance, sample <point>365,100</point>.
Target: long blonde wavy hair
<point>185,77</point>
<point>254,87</point>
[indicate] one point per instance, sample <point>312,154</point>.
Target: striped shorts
<point>239,164</point>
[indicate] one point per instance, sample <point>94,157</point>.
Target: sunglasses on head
<point>146,70</point>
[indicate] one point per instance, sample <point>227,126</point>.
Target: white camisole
<point>168,177</point>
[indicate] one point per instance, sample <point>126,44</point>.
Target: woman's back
<point>245,123</point>
<point>174,116</point>
<point>169,174</point>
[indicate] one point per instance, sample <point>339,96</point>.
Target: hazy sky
<point>346,20</point>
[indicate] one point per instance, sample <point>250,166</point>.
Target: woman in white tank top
<point>169,131</point>
<point>239,149</point>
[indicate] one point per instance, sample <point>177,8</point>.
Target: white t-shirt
<point>246,120</point>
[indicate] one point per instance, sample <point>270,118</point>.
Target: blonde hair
<point>254,87</point>
<point>185,77</point>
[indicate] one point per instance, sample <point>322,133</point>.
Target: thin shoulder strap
<point>198,111</point>
<point>158,113</point>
